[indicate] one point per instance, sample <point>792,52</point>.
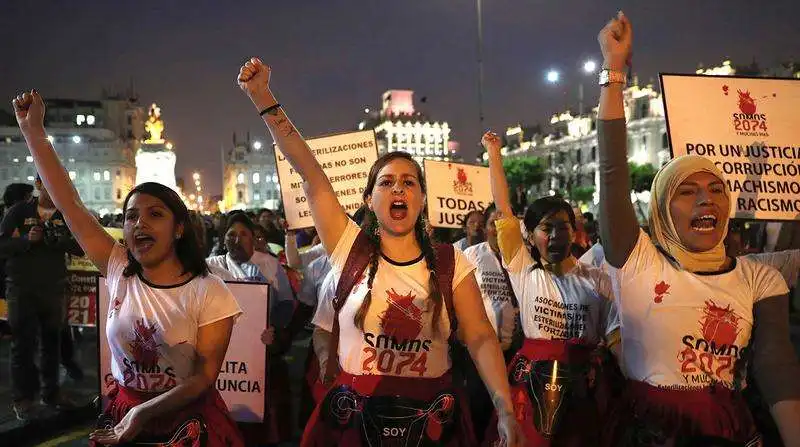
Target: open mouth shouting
<point>398,210</point>
<point>143,242</point>
<point>705,223</point>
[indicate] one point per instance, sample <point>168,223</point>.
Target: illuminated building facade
<point>96,141</point>
<point>569,151</point>
<point>400,127</point>
<point>249,176</point>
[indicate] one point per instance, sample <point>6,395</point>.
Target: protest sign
<point>242,380</point>
<point>346,159</point>
<point>455,189</point>
<point>748,128</point>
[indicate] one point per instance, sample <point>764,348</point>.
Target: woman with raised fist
<point>692,318</point>
<point>388,330</point>
<point>169,321</point>
<point>566,313</point>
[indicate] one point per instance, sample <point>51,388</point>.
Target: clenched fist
<point>615,40</point>
<point>29,109</point>
<point>491,141</point>
<point>254,77</point>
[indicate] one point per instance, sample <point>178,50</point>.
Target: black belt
<point>389,421</point>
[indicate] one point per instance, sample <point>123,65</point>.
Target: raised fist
<point>29,109</point>
<point>491,141</point>
<point>254,77</point>
<point>615,42</point>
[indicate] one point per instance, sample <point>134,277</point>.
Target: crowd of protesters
<point>536,324</point>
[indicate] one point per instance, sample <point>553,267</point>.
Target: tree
<point>527,171</point>
<point>582,194</point>
<point>641,179</point>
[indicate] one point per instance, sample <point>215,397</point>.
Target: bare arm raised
<point>492,143</point>
<point>616,210</point>
<point>29,109</point>
<point>329,216</point>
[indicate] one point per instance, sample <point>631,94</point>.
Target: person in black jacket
<point>33,242</point>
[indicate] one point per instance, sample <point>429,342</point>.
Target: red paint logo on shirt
<point>402,319</point>
<point>144,347</point>
<point>660,290</point>
<point>719,324</point>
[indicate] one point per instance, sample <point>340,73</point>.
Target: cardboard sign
<point>346,159</point>
<point>242,379</point>
<point>455,189</point>
<point>748,128</point>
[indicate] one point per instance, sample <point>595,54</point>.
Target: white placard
<point>346,158</point>
<point>455,189</point>
<point>749,128</point>
<point>242,378</point>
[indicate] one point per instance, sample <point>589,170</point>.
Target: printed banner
<point>748,128</point>
<point>242,380</point>
<point>346,159</point>
<point>82,298</point>
<point>455,189</point>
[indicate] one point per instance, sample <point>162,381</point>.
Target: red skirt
<point>580,423</point>
<point>178,427</point>
<point>350,410</point>
<point>648,412</point>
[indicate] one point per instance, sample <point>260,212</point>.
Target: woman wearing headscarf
<point>692,318</point>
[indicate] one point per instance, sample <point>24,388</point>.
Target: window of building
<point>644,141</point>
<point>239,195</point>
<point>256,196</point>
<point>72,175</point>
<point>90,120</point>
<point>240,179</point>
<point>97,194</point>
<point>119,194</point>
<point>256,179</point>
<point>664,141</point>
<point>96,176</point>
<point>118,173</point>
<point>594,153</point>
<point>106,175</point>
<point>107,193</point>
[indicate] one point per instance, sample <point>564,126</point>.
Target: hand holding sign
<point>29,110</point>
<point>616,39</point>
<point>254,77</point>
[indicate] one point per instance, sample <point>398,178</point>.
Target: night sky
<point>332,58</point>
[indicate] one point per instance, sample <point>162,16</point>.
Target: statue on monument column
<point>154,125</point>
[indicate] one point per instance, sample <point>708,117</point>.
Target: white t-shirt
<point>497,294</point>
<point>682,330</point>
<point>461,244</point>
<point>313,276</point>
<point>152,330</point>
<point>398,337</point>
<point>578,304</point>
<point>787,262</point>
<point>594,256</point>
<point>261,267</point>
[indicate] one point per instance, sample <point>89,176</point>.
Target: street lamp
<point>589,68</point>
<point>257,145</point>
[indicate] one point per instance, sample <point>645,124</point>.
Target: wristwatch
<point>612,77</point>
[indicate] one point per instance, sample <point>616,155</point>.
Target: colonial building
<point>96,141</point>
<point>249,176</point>
<point>569,150</point>
<point>399,126</point>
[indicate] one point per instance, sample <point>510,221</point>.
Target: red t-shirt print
<point>660,290</point>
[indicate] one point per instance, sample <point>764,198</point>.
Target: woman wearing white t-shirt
<point>392,331</point>
<point>169,322</point>
<point>566,310</point>
<point>692,318</point>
